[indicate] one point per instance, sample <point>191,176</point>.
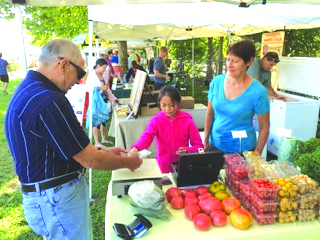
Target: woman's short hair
<point>244,49</point>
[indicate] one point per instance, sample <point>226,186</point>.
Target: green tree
<point>6,10</point>
<point>46,23</point>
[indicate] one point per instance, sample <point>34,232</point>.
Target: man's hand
<point>134,161</point>
<point>167,77</point>
<point>117,150</point>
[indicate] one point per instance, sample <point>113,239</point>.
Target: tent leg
<point>23,50</point>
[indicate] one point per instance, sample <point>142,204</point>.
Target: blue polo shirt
<point>236,115</point>
<point>42,130</point>
<point>161,67</point>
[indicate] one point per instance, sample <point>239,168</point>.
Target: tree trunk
<point>123,55</point>
<point>209,73</point>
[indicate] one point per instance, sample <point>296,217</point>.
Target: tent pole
<point>193,67</point>
<point>90,66</point>
<point>23,50</point>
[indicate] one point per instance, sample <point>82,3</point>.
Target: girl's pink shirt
<point>170,135</point>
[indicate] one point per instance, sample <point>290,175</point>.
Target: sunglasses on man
<point>80,72</point>
<point>271,59</point>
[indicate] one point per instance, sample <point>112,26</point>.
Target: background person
<point>159,68</point>
<point>96,79</point>
<point>172,128</point>
<point>50,148</point>
<point>4,77</point>
<point>261,70</point>
<point>233,99</point>
<point>110,69</point>
<point>115,58</point>
<point>132,72</point>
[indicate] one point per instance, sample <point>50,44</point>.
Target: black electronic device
<point>198,168</point>
<point>135,229</point>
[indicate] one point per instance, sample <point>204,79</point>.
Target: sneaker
<point>100,145</point>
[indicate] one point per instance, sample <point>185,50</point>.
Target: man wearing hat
<point>261,70</point>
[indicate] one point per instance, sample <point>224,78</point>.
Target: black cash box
<point>198,168</point>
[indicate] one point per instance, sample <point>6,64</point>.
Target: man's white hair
<point>59,48</point>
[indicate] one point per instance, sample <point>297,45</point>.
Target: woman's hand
<point>103,88</point>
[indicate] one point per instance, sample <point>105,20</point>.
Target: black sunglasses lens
<point>81,73</point>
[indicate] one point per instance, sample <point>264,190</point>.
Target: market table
<point>119,210</point>
<point>127,131</point>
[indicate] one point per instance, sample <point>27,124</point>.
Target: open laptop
<point>198,168</point>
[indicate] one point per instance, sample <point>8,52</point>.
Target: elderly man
<point>261,70</point>
<point>50,149</point>
<point>159,68</point>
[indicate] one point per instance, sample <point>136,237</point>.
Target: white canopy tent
<point>99,2</point>
<point>203,19</point>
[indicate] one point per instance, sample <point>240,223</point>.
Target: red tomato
<point>201,189</point>
<point>172,192</point>
<point>209,204</point>
<point>202,221</point>
<point>204,195</point>
<point>191,211</point>
<point>219,218</point>
<point>230,204</point>
<point>189,193</point>
<point>177,202</point>
<point>191,200</point>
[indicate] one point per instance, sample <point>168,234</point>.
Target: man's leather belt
<point>50,184</point>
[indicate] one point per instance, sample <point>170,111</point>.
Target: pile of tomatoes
<point>205,210</point>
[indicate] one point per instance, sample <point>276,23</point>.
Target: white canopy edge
<point>101,2</point>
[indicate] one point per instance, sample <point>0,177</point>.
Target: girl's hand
<point>181,150</point>
<point>133,150</point>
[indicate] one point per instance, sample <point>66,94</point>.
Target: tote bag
<point>100,113</point>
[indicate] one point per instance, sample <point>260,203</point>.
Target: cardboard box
<point>150,110</point>
<point>187,102</point>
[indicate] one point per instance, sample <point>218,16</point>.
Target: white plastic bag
<point>149,199</point>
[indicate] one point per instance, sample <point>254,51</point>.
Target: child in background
<point>173,130</point>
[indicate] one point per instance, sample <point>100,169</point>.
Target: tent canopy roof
<point>99,2</point>
<point>201,19</point>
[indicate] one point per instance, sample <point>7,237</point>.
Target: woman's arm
<point>264,125</point>
<point>208,125</point>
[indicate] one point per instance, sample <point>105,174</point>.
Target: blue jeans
<point>61,212</point>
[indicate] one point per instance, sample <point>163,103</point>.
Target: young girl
<point>96,79</point>
<point>173,130</point>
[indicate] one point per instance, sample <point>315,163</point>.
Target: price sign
<point>239,134</point>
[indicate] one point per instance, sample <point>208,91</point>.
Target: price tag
<point>282,132</point>
<point>239,134</point>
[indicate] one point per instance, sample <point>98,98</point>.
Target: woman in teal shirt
<point>233,99</point>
